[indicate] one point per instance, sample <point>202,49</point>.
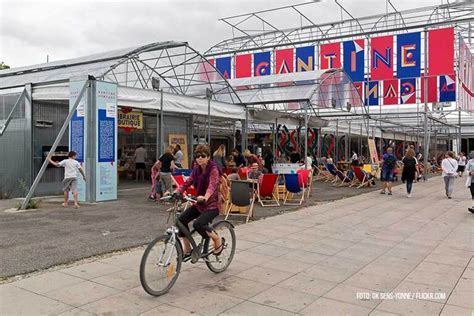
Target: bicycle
<point>161,262</point>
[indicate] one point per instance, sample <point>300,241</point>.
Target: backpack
<point>223,190</point>
<point>390,161</point>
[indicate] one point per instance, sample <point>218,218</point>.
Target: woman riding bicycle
<point>205,178</point>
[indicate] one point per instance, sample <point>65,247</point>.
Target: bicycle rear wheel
<point>219,263</point>
<point>160,265</point>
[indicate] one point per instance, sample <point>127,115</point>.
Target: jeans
<point>202,220</point>
<point>449,185</point>
<point>409,186</point>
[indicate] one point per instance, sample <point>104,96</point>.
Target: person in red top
<point>205,178</point>
<point>252,158</point>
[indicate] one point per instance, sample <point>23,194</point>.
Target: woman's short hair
<point>203,149</point>
<point>450,154</point>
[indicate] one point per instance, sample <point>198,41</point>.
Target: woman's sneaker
<point>471,209</point>
<point>409,195</point>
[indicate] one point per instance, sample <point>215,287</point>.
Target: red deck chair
<point>360,178</point>
<point>267,189</point>
<point>179,180</point>
<point>304,179</point>
<point>243,173</point>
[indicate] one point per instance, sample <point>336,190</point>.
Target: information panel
<point>77,131</point>
<point>106,141</point>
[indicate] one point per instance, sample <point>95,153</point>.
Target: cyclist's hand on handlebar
<point>201,199</point>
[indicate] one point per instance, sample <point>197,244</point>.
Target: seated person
<point>254,173</point>
<point>234,176</point>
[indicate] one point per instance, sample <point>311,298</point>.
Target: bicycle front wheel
<point>219,263</point>
<point>160,265</point>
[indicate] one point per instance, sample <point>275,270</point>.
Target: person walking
<point>71,166</point>
<point>409,170</point>
<point>140,157</point>
<point>219,157</point>
<point>462,160</point>
<point>178,156</point>
<point>388,165</point>
<point>450,167</point>
<point>167,165</point>
<point>470,180</point>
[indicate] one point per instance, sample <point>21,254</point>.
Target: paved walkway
<point>355,256</point>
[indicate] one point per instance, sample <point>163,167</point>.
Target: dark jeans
<point>472,190</point>
<point>409,186</point>
<point>203,219</point>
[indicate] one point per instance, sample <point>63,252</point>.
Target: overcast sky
<point>29,30</point>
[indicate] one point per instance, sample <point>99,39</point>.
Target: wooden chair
<point>343,178</point>
<point>360,177</point>
<point>305,179</point>
<point>267,189</point>
<point>240,196</point>
<point>293,186</point>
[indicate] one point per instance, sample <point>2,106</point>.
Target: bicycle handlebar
<point>179,197</point>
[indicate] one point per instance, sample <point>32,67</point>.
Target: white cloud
<point>29,30</point>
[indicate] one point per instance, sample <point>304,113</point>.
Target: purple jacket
<point>206,184</point>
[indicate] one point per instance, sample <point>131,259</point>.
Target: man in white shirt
<point>71,166</point>
<point>450,168</point>
<point>140,157</point>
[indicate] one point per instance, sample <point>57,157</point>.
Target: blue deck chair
<point>293,187</point>
<point>332,170</point>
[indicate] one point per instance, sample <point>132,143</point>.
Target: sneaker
<point>382,192</point>
<point>449,197</point>
<point>389,192</point>
<point>409,195</point>
<point>471,209</point>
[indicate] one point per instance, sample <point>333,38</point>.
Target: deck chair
<point>240,197</point>
<point>292,184</point>
<point>179,181</point>
<point>321,173</point>
<point>343,178</point>
<point>332,170</point>
<point>360,177</point>
<point>305,179</point>
<point>267,189</point>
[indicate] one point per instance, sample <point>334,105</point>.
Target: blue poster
<point>76,136</point>
<point>224,67</point>
<point>106,140</point>
<point>371,93</point>
<point>354,59</point>
<point>305,58</point>
<point>106,133</point>
<point>408,55</point>
<point>261,64</point>
<point>77,132</point>
<point>447,88</point>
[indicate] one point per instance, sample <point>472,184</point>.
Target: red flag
<point>381,58</point>
<point>441,52</point>
<point>284,61</point>
<point>243,66</point>
<point>432,89</point>
<point>390,92</point>
<point>330,55</point>
<point>206,70</point>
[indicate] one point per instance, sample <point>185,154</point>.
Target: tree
<point>4,66</point>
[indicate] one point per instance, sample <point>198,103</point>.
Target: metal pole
<point>336,148</point>
<point>158,133</point>
<point>319,142</point>
<point>162,136</point>
<point>209,120</point>
<point>306,135</point>
<point>349,146</point>
<point>360,141</point>
<point>53,148</point>
<point>275,138</point>
<point>425,138</point>
<point>459,132</point>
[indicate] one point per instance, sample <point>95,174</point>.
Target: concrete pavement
<point>371,254</point>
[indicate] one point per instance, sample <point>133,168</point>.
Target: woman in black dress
<point>409,169</point>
